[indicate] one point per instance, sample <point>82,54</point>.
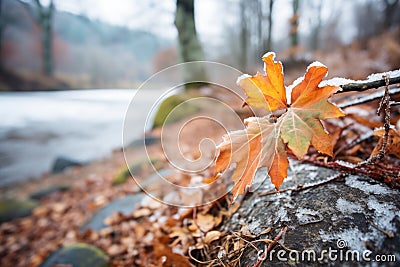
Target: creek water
<point>38,127</point>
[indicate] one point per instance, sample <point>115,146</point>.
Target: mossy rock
<point>78,255</point>
<point>163,113</point>
<point>12,209</point>
<point>121,177</point>
<point>136,168</point>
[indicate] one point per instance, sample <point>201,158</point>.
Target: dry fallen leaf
<point>141,213</point>
<point>393,143</point>
<point>205,222</point>
<point>212,236</point>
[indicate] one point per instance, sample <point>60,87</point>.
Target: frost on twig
<point>373,81</point>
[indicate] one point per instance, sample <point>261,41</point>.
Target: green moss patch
<point>12,208</point>
<point>167,110</point>
<point>136,168</point>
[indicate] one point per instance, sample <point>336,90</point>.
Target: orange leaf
<point>264,143</point>
<point>243,148</point>
<point>393,143</point>
<point>266,92</point>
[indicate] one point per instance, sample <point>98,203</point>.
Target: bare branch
<point>368,98</point>
<point>365,85</point>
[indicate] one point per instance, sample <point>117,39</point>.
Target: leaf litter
<point>158,235</point>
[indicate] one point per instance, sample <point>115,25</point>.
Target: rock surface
<point>77,255</point>
<point>148,140</point>
<point>62,163</point>
<point>12,209</point>
<point>48,191</point>
<point>351,215</point>
<point>124,205</point>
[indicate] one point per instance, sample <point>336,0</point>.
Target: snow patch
<point>383,128</point>
<point>306,216</point>
<point>312,175</point>
<point>346,206</point>
<point>355,239</point>
<point>306,167</point>
<point>242,77</point>
<point>268,54</point>
<point>345,164</point>
<point>289,89</point>
<point>379,76</point>
<point>336,82</point>
<point>367,188</point>
<point>281,215</point>
<point>384,214</point>
<point>371,78</point>
<point>316,64</point>
<point>254,227</point>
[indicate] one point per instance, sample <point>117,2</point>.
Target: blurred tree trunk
<point>1,34</point>
<point>315,35</point>
<point>268,44</point>
<point>294,21</point>
<point>389,11</point>
<point>258,6</point>
<point>189,44</point>
<point>244,35</point>
<point>45,17</point>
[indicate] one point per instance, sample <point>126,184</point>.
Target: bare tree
<point>315,35</point>
<point>189,44</point>
<point>268,43</point>
<point>294,22</point>
<point>390,8</point>
<point>1,33</point>
<point>44,17</point>
<point>368,22</point>
<point>244,36</point>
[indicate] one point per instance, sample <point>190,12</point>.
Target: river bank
<point>38,127</point>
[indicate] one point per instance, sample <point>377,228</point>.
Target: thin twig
<point>365,85</point>
<point>263,256</point>
<point>241,238</point>
<point>388,234</point>
<point>304,187</point>
<point>384,105</point>
<point>368,98</point>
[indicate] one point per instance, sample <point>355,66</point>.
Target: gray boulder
<point>77,255</point>
<point>124,205</point>
<point>355,219</point>
<point>11,209</point>
<point>62,163</point>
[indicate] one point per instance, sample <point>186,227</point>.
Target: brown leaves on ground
<point>266,140</point>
